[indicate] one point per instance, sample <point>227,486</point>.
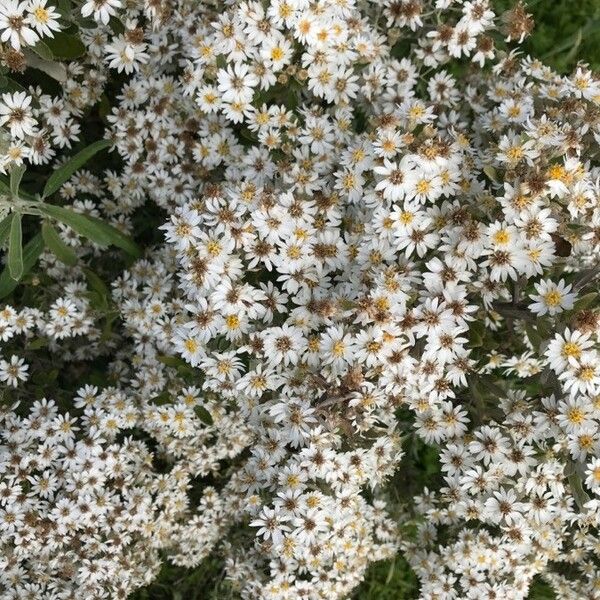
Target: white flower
<point>43,18</point>
<point>236,83</point>
<point>284,345</point>
<point>15,111</point>
<point>15,26</point>
<point>14,371</point>
<point>567,348</point>
<point>125,56</point>
<point>394,183</point>
<point>271,524</point>
<point>551,298</point>
<point>101,10</point>
<point>593,475</point>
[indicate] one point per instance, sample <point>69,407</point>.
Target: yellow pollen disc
<point>233,321</point>
<point>571,349</point>
<point>501,237</point>
<point>575,415</point>
<point>191,346</point>
<point>338,349</point>
<point>277,53</point>
<point>553,298</point>
<point>41,14</point>
<point>423,186</point>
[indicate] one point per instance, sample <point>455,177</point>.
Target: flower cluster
<point>361,253</point>
<point>26,23</point>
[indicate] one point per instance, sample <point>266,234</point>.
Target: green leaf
<point>162,398</point>
<point>579,494</point>
<point>85,23</point>
<point>491,173</point>
<point>30,255</point>
<point>63,173</point>
<point>111,317</point>
<point>116,25</point>
<point>16,175</point>
<point>5,190</point>
<point>76,221</point>
<point>4,187</point>
<point>477,331</point>
<point>57,246</point>
<point>37,343</point>
<point>586,301</point>
<point>15,248</point>
<point>117,237</point>
<point>64,8</point>
<point>92,228</point>
<point>45,377</point>
<point>544,328</point>
<point>5,227</point>
<point>12,86</point>
<point>96,284</point>
<point>203,415</point>
<point>66,46</point>
<point>172,361</point>
<point>54,69</point>
<point>534,336</point>
<point>43,51</point>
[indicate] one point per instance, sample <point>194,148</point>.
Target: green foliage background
<point>566,32</point>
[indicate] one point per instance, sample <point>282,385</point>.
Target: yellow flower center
<point>233,321</point>
<point>191,346</point>
<point>571,349</point>
<point>41,14</point>
<point>338,349</point>
<point>586,373</point>
<point>553,298</point>
<point>423,186</point>
<point>575,415</point>
<point>501,237</point>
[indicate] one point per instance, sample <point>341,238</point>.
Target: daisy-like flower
<point>423,187</point>
<point>101,10</point>
<point>236,83</point>
<point>551,297</point>
<point>592,472</point>
<point>583,378</point>
<point>14,371</point>
<point>15,26</point>
<point>15,111</point>
<point>125,56</point>
<point>277,51</point>
<point>43,18</point>
<point>394,182</point>
<point>567,348</point>
<point>513,150</point>
<point>503,506</point>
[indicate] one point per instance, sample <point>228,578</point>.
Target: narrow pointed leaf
<point>65,46</point>
<point>97,285</point>
<point>203,415</point>
<point>43,51</point>
<point>52,68</point>
<point>57,246</point>
<point>117,238</point>
<point>63,173</point>
<point>4,187</point>
<point>81,224</point>
<point>15,179</point>
<point>15,248</point>
<point>5,227</point>
<point>92,228</point>
<point>31,252</point>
